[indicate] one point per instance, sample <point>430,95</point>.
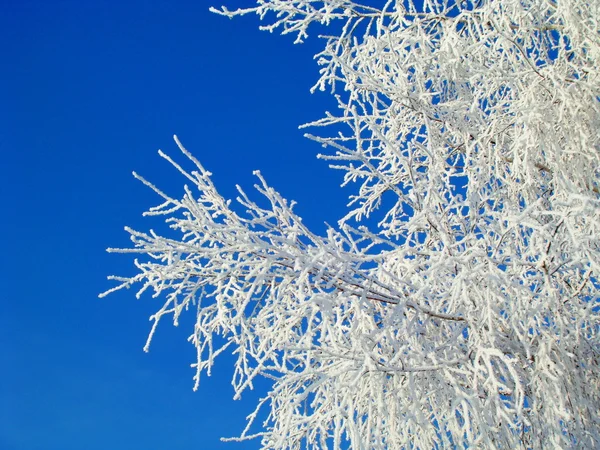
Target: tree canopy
<point>467,313</point>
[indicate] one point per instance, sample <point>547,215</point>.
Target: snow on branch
<point>467,314</point>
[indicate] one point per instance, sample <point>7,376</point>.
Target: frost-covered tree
<point>467,314</point>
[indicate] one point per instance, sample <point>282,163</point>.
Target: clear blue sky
<point>90,90</point>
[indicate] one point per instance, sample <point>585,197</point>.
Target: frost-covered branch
<point>468,313</point>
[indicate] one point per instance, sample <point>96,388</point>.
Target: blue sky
<point>90,90</point>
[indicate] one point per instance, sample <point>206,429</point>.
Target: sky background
<point>90,91</point>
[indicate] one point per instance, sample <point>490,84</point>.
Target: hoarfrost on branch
<point>468,315</point>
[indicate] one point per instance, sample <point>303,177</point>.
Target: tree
<point>467,315</point>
